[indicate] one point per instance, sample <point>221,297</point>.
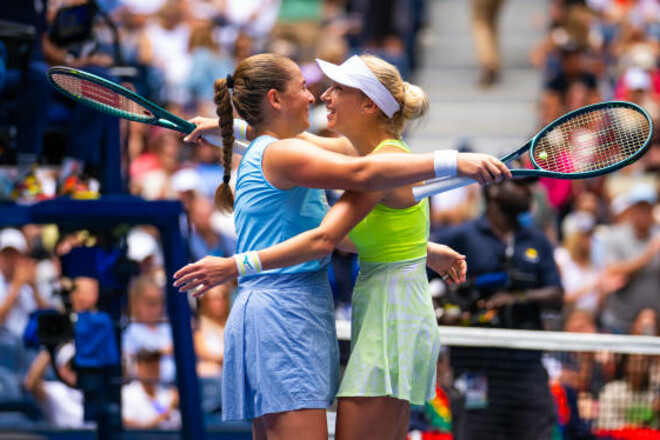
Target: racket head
<point>591,141</point>
<point>113,99</point>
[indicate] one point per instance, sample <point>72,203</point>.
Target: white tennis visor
<point>355,73</point>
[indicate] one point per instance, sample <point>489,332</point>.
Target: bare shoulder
<point>292,145</point>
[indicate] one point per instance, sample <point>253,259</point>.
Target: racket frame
<point>540,172</point>
<point>446,182</point>
<point>161,117</point>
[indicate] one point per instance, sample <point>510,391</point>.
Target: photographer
<point>507,393</point>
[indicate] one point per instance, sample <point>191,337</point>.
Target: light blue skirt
<point>281,350</point>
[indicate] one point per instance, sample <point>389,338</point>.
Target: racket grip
<point>239,146</point>
<point>439,185</point>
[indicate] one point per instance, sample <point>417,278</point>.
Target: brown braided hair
<point>224,198</point>
<point>252,79</point>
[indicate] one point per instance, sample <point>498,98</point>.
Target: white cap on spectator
<point>186,179</point>
<point>640,193</point>
<point>578,221</point>
<point>141,245</point>
<point>643,57</point>
<point>65,354</point>
<point>13,238</point>
<point>637,78</point>
<point>355,73</point>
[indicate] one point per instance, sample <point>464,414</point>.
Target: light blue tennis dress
<point>281,351</point>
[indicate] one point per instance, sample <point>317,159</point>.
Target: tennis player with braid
<point>281,355</point>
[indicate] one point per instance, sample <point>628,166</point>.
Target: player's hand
<point>448,263</point>
<point>204,274</point>
<point>203,126</point>
<point>483,168</point>
<point>501,299</point>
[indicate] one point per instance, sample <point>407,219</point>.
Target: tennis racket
<point>113,99</point>
<point>587,142</point>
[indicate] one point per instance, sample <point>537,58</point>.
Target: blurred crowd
<point>603,235</point>
<point>603,232</point>
<point>171,52</point>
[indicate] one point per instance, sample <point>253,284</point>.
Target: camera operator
<point>506,391</point>
<point>61,402</point>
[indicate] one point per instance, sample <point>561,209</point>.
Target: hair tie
<point>226,178</point>
<point>230,81</point>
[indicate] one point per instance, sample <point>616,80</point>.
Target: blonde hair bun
<point>415,101</point>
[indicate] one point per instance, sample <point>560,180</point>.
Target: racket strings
<point>592,141</point>
<point>102,97</point>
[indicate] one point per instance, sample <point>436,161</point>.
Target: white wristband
<point>248,263</point>
<point>444,163</point>
<point>240,129</point>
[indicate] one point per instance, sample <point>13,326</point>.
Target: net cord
<point>535,340</point>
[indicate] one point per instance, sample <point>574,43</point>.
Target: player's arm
<point>339,145</point>
<point>294,162</point>
<point>309,245</point>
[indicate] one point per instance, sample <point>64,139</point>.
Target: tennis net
<point>506,384</point>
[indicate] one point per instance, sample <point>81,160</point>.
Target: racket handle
<point>432,187</point>
<point>240,147</point>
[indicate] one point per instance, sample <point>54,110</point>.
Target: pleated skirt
<point>394,338</point>
<point>281,350</point>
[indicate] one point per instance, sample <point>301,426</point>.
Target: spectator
<point>484,29</point>
<point>74,40</point>
<point>164,47</point>
<point>151,172</point>
<point>645,323</point>
<point>60,401</point>
<point>84,295</point>
<point>208,165</point>
<point>207,64</point>
<point>636,86</point>
<point>209,337</point>
<point>585,286</point>
<point>631,251</point>
<point>19,295</point>
<point>299,23</point>
<point>571,376</point>
<point>205,240</point>
<point>147,331</point>
<point>628,401</point>
<point>585,372</point>
<point>143,248</point>
<point>505,385</point>
<point>254,17</point>
<point>572,70</point>
<point>146,404</point>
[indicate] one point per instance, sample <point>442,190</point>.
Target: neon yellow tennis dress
<point>394,341</point>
